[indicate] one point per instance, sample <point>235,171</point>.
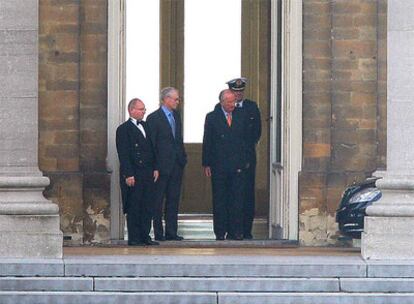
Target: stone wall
<point>344,110</point>
<point>344,104</point>
<point>72,114</point>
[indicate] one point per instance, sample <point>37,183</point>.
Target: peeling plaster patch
<point>96,227</point>
<point>73,227</point>
<point>317,229</point>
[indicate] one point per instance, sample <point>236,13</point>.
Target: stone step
<point>46,284</point>
<point>24,297</point>
<point>183,284</point>
<point>202,298</point>
<point>206,266</point>
<point>31,267</point>
<point>314,298</point>
<point>393,285</point>
<point>217,284</point>
<point>390,269</point>
<point>215,266</point>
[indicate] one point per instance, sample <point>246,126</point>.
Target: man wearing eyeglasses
<point>137,174</point>
<point>170,157</point>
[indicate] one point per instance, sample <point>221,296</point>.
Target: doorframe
<point>116,106</point>
<point>284,175</point>
<point>291,92</point>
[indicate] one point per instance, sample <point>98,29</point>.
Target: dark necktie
<point>171,120</point>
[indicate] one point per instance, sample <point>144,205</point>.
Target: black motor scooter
<point>351,212</point>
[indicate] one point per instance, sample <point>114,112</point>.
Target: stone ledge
<point>49,283</point>
<point>314,298</point>
<point>31,267</point>
<point>391,285</point>
<point>216,266</point>
<point>107,297</point>
<point>241,284</point>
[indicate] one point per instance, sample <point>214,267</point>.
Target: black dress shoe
<point>135,243</point>
<point>248,236</point>
<point>220,238</point>
<point>160,238</point>
<point>237,237</point>
<point>150,242</point>
<point>174,238</point>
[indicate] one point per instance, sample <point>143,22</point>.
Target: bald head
<point>136,109</point>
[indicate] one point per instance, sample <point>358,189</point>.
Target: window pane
<point>142,52</point>
<point>212,57</point>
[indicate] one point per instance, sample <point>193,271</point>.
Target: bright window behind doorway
<point>212,56</point>
<point>143,52</point>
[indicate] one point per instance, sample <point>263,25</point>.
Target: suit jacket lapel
<point>224,119</point>
<point>235,121</point>
<point>134,129</point>
<point>177,124</point>
<point>163,118</point>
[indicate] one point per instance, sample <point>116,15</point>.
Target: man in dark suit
<point>137,174</point>
<point>170,157</point>
<point>254,129</point>
<point>225,161</point>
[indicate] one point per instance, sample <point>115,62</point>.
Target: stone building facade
<point>344,106</point>
<point>73,115</point>
<point>344,110</point>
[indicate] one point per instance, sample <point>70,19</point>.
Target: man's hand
<point>156,175</point>
<point>130,181</point>
<point>207,171</point>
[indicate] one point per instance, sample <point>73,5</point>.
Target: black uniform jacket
<point>135,153</point>
<point>167,149</point>
<point>254,123</point>
<point>224,147</point>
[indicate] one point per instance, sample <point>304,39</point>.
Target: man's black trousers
<point>167,187</point>
<point>228,197</point>
<point>140,198</point>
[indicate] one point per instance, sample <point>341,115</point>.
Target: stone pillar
<point>390,223</point>
<point>29,224</point>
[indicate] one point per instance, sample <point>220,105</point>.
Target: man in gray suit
<point>170,159</point>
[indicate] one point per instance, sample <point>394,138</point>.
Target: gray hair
<point>224,92</point>
<point>166,92</point>
<point>133,102</point>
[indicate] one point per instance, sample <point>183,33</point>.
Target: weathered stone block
<point>26,237</point>
<point>11,13</point>
<point>394,242</point>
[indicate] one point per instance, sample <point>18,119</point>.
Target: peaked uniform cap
<point>237,84</point>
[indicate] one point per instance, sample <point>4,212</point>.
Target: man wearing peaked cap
<point>254,129</point>
<point>237,84</point>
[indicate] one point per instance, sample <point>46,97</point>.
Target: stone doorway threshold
<point>193,243</point>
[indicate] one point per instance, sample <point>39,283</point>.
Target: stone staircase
<point>224,279</point>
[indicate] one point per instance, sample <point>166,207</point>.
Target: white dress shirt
<point>139,126</point>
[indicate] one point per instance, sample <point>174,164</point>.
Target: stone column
<point>389,226</point>
<point>29,224</point>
